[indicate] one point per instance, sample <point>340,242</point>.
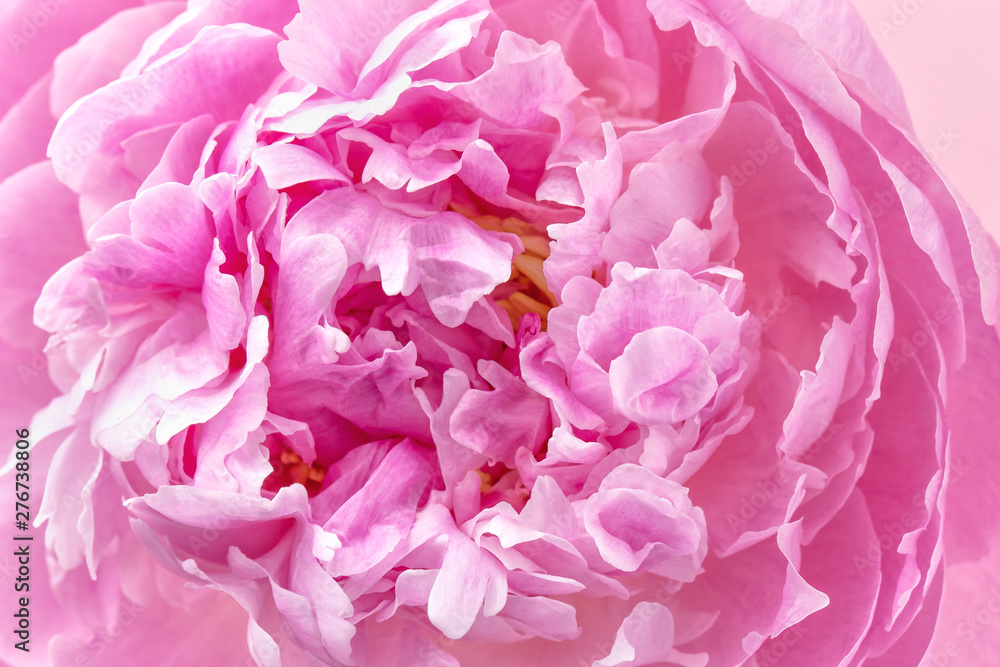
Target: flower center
<point>288,468</point>
<point>501,484</point>
<point>527,291</point>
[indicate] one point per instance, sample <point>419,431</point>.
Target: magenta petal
<point>221,296</point>
<point>153,252</point>
<point>285,165</point>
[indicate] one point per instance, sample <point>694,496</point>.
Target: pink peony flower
<point>597,333</point>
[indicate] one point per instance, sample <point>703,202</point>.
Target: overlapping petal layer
<point>466,333</point>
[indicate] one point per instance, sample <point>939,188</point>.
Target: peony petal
<point>659,194</point>
<point>455,262</point>
<point>27,264</point>
<point>646,637</point>
<point>92,63</point>
<point>241,64</point>
<point>373,521</point>
<point>460,588</point>
<point>650,387</point>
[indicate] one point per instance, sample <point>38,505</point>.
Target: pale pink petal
<point>101,55</point>
<point>374,519</point>
<point>650,388</point>
<point>240,65</point>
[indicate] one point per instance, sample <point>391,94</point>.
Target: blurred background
<point>947,55</point>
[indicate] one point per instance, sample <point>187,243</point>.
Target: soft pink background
<point>947,56</point>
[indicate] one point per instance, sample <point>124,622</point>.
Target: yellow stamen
<point>518,226</point>
<point>531,267</point>
<point>525,304</point>
<point>486,482</point>
<point>519,303</point>
<point>490,223</point>
<point>532,293</point>
<point>469,212</point>
<point>298,471</point>
<point>536,245</point>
